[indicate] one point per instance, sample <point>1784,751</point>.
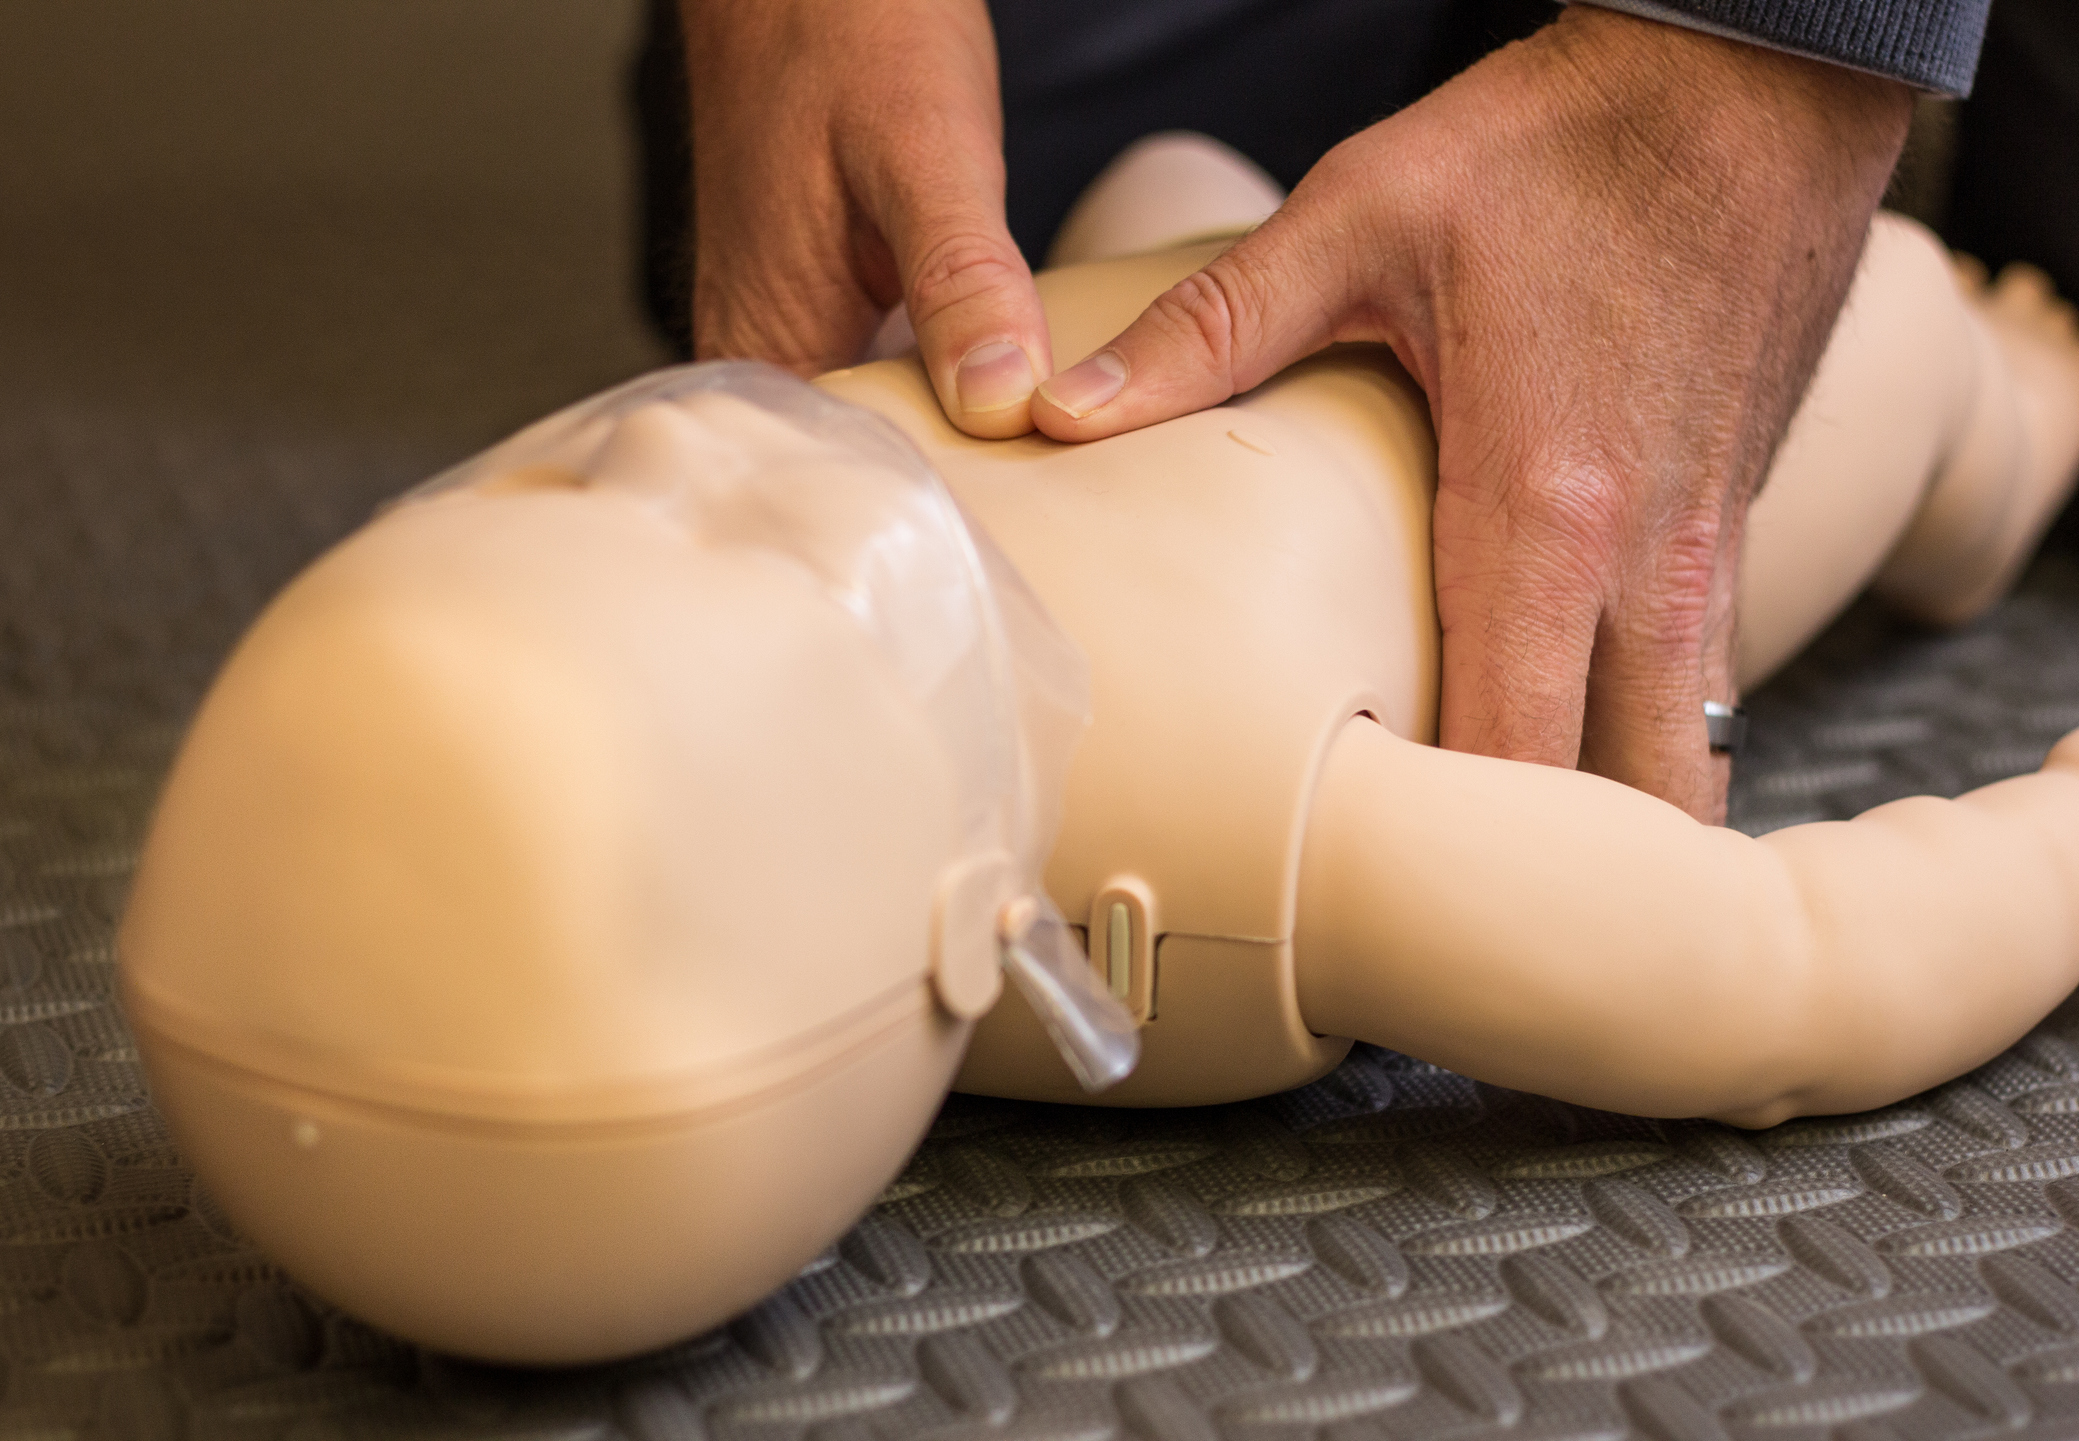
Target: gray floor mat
<point>207,376</point>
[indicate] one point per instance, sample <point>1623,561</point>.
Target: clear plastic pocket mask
<point>786,469</point>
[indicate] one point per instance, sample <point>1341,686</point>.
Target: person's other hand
<point>847,157</point>
<point>1611,256</point>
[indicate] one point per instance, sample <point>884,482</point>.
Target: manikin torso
<point>1243,582</point>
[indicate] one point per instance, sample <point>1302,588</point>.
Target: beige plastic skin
<point>470,930</point>
<point>1248,579</point>
<point>1162,192</point>
<point>553,1244</point>
<point>1634,960</point>
<point>1307,586</point>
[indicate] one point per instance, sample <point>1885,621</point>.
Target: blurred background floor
<point>262,264</point>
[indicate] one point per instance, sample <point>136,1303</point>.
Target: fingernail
<point>995,376</point>
<point>1088,384</point>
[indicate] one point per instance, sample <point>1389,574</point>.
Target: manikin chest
<point>1243,582</point>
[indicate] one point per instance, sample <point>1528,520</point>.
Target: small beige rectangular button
<point>1123,925</point>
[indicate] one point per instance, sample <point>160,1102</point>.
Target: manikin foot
<point>2015,458</point>
<point>2039,334</point>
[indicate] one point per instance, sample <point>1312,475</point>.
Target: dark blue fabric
<point>1071,43</point>
<point>1929,43</point>
<point>2017,157</point>
<point>1280,80</point>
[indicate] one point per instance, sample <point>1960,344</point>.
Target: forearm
<point>1559,933</point>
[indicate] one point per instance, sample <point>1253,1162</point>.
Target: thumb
<point>1270,299</point>
<point>978,320</point>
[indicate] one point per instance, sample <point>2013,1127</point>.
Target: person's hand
<point>1611,256</point>
<point>847,157</point>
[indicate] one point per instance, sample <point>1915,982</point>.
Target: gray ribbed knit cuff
<point>1929,43</point>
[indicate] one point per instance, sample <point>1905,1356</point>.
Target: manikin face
<point>596,858</point>
<point>549,783</point>
<point>534,947</point>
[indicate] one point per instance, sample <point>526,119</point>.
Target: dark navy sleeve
<point>1931,44</point>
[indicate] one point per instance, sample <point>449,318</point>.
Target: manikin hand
<point>1611,255</point>
<point>847,157</point>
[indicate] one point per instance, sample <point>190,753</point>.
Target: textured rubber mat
<point>228,326</point>
<point>1395,1251</point>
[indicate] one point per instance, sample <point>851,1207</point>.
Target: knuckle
<point>1665,584</point>
<point>1563,535</point>
<point>779,293</point>
<point>1690,554</point>
<point>1571,519</point>
<point>956,268</point>
<point>1684,570</point>
<point>1202,313</point>
<point>803,338</point>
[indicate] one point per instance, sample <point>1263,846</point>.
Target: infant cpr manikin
<point>581,887</point>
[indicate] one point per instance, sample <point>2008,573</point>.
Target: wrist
<point>1804,124</point>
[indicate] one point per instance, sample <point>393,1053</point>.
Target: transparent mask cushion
<point>839,491</point>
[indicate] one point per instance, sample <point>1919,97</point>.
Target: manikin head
<point>572,899</point>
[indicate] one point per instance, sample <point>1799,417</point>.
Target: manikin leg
<point>2011,468</point>
<point>1164,191</point>
<point>1938,440</point>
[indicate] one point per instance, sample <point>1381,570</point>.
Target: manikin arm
<point>1624,956</point>
<point>1563,934</point>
